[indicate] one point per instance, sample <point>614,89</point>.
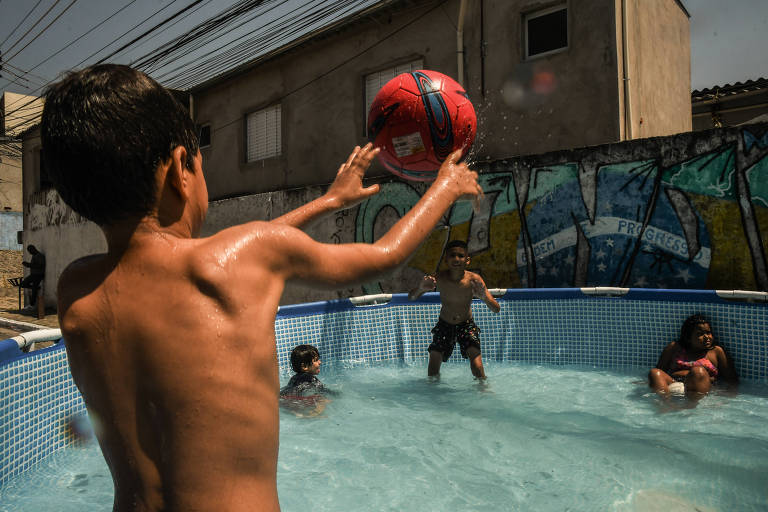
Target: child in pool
<point>172,350</point>
<point>457,287</point>
<point>305,395</point>
<point>693,363</point>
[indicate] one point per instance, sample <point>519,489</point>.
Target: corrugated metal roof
<point>729,89</point>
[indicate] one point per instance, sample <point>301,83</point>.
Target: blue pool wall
<point>538,326</point>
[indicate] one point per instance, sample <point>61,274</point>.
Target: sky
<point>729,38</point>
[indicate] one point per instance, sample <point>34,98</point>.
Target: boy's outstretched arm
<point>480,291</point>
<point>427,284</point>
<point>332,265</point>
<point>345,192</point>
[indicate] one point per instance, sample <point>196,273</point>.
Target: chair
<point>16,281</point>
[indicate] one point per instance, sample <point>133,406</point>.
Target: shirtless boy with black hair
<point>172,350</point>
<point>457,287</point>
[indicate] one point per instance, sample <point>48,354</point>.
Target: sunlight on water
<point>532,438</point>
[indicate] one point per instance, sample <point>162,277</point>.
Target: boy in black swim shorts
<point>457,287</point>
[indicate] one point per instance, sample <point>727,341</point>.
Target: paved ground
<point>12,321</point>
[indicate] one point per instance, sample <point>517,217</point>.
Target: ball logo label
<point>437,115</point>
<point>407,145</point>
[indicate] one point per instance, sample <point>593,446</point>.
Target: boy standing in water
<point>457,287</point>
<point>171,349</point>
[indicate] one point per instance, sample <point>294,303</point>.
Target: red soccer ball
<point>418,119</point>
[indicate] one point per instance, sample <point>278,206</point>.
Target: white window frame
<point>527,17</point>
<point>263,134</point>
<point>373,82</point>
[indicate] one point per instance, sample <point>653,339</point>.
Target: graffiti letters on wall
<point>687,211</point>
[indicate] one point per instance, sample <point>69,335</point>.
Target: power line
<point>21,22</point>
<point>283,28</point>
<point>346,61</point>
<point>136,39</point>
<point>67,45</point>
<point>217,23</point>
<point>44,29</point>
<point>30,29</point>
<point>79,63</point>
<point>149,31</point>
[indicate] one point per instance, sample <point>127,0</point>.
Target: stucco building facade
<point>542,76</point>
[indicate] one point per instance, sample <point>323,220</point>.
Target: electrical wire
<point>346,61</point>
<point>95,53</point>
<point>20,24</point>
<point>148,31</point>
<point>67,45</point>
<point>285,28</point>
<point>33,26</point>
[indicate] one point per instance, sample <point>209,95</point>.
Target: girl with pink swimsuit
<point>696,361</point>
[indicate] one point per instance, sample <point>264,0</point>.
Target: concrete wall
<point>685,211</point>
<point>10,224</point>
<point>50,225</point>
<point>688,211</point>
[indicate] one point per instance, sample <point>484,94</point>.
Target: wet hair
<point>456,243</point>
<point>104,130</point>
<point>687,329</point>
<point>302,356</point>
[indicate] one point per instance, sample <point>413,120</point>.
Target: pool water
<point>531,438</point>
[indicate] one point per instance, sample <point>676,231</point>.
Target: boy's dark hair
<point>104,131</point>
<point>689,325</point>
<point>457,243</point>
<point>302,356</point>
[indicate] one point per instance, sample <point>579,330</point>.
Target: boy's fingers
<point>455,156</point>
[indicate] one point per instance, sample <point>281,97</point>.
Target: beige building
<point>17,113</point>
<point>543,76</point>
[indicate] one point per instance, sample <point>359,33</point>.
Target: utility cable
<point>148,31</point>
<point>66,46</point>
<point>343,63</point>
<point>20,23</point>
<point>32,27</point>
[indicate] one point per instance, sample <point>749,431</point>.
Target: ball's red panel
<point>418,119</point>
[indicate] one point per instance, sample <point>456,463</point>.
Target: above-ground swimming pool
<point>564,422</point>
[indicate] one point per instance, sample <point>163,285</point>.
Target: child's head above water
<point>695,325</point>
<point>104,131</point>
<point>305,359</point>
<point>456,251</point>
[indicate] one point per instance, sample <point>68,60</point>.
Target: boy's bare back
<point>170,337</point>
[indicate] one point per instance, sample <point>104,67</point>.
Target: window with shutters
<point>263,134</point>
<point>375,81</point>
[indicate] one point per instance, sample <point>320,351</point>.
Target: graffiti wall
<point>687,211</point>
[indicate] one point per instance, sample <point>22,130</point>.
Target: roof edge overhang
<point>300,41</point>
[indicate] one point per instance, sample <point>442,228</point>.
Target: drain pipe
<point>460,43</point>
<point>625,62</point>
